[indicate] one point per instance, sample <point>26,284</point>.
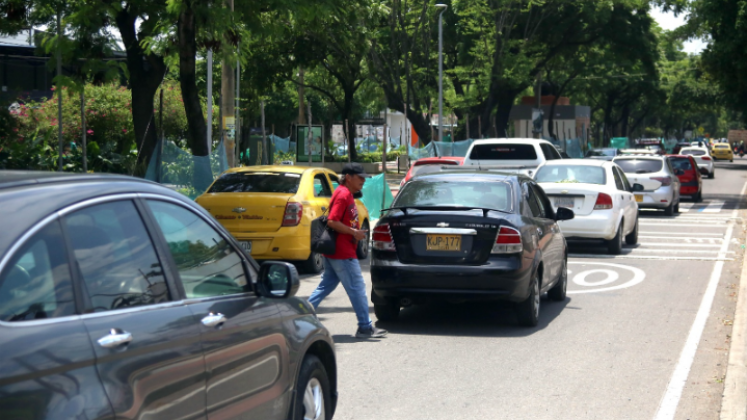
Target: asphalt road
<point>644,335</point>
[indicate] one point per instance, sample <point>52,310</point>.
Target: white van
<point>515,155</point>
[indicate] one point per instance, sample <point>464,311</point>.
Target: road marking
<point>649,257</point>
<point>680,238</point>
<point>713,207</point>
<point>689,225</point>
<point>683,233</point>
<point>580,278</point>
<point>685,207</point>
<point>677,245</point>
<point>671,399</point>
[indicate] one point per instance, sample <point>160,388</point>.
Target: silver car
<point>661,187</point>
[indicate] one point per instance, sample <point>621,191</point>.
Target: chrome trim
<point>213,319</point>
<point>114,339</point>
<point>443,231</point>
<point>135,309</point>
<point>91,201</point>
<point>37,322</point>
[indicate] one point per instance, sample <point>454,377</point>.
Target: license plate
<point>246,246</point>
<point>639,198</point>
<point>444,242</point>
<point>564,202</point>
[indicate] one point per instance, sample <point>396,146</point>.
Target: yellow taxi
<point>269,210</point>
<point>722,151</point>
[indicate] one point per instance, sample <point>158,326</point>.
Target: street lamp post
<point>440,72</point>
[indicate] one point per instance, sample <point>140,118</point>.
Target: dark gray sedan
<point>122,299</point>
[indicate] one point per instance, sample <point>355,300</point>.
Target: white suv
<point>516,155</point>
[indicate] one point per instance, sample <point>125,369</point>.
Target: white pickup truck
<point>515,155</point>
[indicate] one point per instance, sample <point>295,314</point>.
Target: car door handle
<point>213,319</point>
<point>115,338</point>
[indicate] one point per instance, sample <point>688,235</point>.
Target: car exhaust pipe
<point>405,302</point>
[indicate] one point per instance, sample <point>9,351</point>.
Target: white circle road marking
<point>580,278</point>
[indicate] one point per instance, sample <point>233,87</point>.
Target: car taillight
<point>604,202</point>
<point>293,214</point>
<point>665,180</point>
<point>705,158</point>
<point>382,238</point>
<point>508,241</point>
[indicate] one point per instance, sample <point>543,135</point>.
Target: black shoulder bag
<point>323,238</point>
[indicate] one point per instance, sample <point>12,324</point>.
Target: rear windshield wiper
<point>446,208</point>
<point>643,171</point>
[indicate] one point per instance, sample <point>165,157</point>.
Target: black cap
<point>354,169</point>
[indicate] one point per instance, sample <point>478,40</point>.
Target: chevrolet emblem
<point>443,224</point>
<point>239,210</point>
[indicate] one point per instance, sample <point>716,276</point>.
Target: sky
<point>668,21</point>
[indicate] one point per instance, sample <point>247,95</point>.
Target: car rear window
<point>503,152</point>
<point>640,166</point>
<point>572,174</point>
<point>492,195</point>
<point>258,182</point>
<point>721,146</point>
<point>693,152</point>
<point>681,164</point>
<point>428,168</point>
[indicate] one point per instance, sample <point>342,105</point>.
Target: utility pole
<point>441,72</point>
<point>209,138</point>
<point>227,105</point>
<point>58,87</point>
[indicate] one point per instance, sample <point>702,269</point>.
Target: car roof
<point>510,140</point>
<point>291,169</point>
<point>577,162</point>
<point>639,157</point>
<point>18,178</point>
<point>693,148</point>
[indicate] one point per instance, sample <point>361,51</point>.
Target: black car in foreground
<point>469,235</point>
<point>120,298</point>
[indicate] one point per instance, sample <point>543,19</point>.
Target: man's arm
<point>340,227</point>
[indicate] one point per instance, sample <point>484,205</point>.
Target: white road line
<point>682,233</point>
<point>689,225</point>
<point>671,399</point>
<point>677,245</point>
<point>650,257</point>
<point>685,207</point>
<point>713,207</point>
<point>679,238</point>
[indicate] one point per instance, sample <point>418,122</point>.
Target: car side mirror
<point>564,213</point>
<point>278,279</point>
<point>637,187</point>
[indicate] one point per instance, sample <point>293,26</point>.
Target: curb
<point>734,401</point>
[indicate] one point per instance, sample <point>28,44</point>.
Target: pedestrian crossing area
<point>701,231</point>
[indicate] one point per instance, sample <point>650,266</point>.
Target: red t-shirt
<point>345,211</point>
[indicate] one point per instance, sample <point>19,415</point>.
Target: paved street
<point>642,335</point>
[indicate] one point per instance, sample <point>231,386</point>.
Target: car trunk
<point>423,237</point>
<point>648,183</point>
<point>247,212</point>
<point>580,200</point>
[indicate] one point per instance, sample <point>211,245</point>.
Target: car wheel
<point>558,292</point>
<point>615,244</point>
<point>312,391</point>
<point>632,237</point>
<point>698,197</point>
<point>387,312</point>
<point>712,175</point>
<point>313,265</point>
<point>528,310</point>
<point>366,243</point>
<point>676,208</point>
<point>669,211</point>
<point>731,160</point>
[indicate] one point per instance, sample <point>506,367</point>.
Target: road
<point>644,335</point>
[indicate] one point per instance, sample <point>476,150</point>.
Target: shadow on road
<point>471,319</point>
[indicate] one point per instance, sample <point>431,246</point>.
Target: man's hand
<point>359,234</point>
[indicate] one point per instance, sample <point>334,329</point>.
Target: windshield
<point>503,152</point>
<point>492,195</point>
<point>640,166</point>
<point>693,152</point>
<point>257,182</point>
<point>572,174</point>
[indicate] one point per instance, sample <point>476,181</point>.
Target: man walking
<point>342,266</point>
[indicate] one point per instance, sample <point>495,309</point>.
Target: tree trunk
<point>347,114</point>
<point>505,103</point>
<point>197,135</point>
<point>144,81</point>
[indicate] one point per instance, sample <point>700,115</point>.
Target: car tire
<point>669,211</point>
<point>632,237</point>
<point>731,160</point>
<point>314,264</point>
<point>698,197</point>
<point>312,391</point>
<point>558,292</point>
<point>528,311</point>
<point>387,312</point>
<point>676,208</point>
<point>712,175</point>
<point>615,244</point>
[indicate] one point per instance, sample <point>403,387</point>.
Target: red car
<point>687,171</point>
<point>419,165</point>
